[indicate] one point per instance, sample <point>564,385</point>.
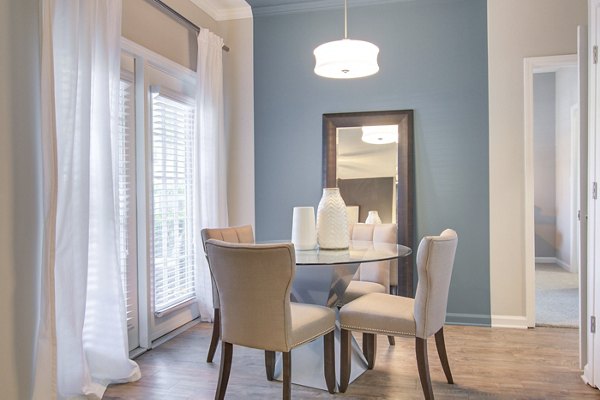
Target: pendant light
<point>346,58</point>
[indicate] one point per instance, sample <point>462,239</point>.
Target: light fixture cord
<point>345,19</point>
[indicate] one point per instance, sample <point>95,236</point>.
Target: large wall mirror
<point>370,157</point>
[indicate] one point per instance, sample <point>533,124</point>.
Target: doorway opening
<point>555,133</point>
<point>553,191</point>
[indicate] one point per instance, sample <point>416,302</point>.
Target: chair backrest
<point>435,260</point>
<point>383,272</point>
<point>234,234</point>
<point>254,283</point>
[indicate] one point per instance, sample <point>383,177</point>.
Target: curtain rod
<point>181,18</point>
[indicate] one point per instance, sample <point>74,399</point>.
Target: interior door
<point>590,373</point>
<point>582,62</point>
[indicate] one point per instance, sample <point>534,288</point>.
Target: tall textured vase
<point>332,221</point>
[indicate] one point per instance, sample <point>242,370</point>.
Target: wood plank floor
<point>487,363</point>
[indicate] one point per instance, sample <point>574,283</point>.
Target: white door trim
<point>534,65</point>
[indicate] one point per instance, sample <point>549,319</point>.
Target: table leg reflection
<point>322,285</point>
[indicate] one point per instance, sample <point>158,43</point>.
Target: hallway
<point>556,296</point>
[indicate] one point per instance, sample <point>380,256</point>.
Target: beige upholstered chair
<point>254,284</point>
<point>373,277</point>
<point>237,234</point>
<point>421,317</point>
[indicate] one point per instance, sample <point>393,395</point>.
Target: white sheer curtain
<point>210,168</point>
<point>82,337</point>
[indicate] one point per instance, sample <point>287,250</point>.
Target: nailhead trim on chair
<point>362,329</point>
<point>312,338</point>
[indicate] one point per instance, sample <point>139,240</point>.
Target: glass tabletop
<point>358,252</point>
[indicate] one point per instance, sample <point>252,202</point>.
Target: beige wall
<point>20,221</point>
<point>8,379</point>
<point>517,29</point>
<point>150,27</point>
<point>239,118</point>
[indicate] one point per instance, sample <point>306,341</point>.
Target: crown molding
<point>223,14</point>
<point>234,13</point>
<point>315,5</point>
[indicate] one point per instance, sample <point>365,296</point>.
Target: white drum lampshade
<point>346,59</point>
<point>304,233</point>
<point>380,134</point>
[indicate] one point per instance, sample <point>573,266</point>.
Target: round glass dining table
<point>322,277</point>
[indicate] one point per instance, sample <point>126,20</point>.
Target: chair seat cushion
<point>357,289</point>
<point>309,322</point>
<point>380,314</point>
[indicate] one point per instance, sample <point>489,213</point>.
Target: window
<point>172,242</point>
<point>155,193</point>
<point>127,198</point>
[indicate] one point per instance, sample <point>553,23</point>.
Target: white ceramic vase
<point>332,221</point>
<point>304,233</point>
<point>373,218</point>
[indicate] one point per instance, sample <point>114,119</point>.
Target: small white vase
<point>304,233</point>
<point>373,218</point>
<point>332,221</point>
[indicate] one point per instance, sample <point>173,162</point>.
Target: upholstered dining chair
<point>254,282</point>
<point>373,277</point>
<point>236,234</point>
<point>421,317</point>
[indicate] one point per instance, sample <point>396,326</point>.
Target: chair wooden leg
<point>423,365</point>
<point>370,348</point>
<point>392,340</point>
<point>287,375</point>
<point>345,360</point>
<point>270,364</point>
<point>224,370</point>
<point>216,333</point>
<point>329,357</point>
<point>440,344</point>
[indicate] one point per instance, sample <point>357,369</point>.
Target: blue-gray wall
<point>433,59</point>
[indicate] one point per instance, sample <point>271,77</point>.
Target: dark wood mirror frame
<point>405,188</point>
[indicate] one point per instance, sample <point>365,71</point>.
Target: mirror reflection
<point>369,155</point>
<point>367,171</point>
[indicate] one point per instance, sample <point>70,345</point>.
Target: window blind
<point>172,251</point>
<point>126,174</point>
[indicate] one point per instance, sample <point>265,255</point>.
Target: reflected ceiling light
<point>380,134</point>
<point>346,58</point>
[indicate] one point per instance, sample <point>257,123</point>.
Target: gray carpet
<point>556,296</point>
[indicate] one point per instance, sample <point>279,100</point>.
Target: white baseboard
<point>563,265</point>
<point>553,260</point>
<point>172,334</point>
<point>509,321</point>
